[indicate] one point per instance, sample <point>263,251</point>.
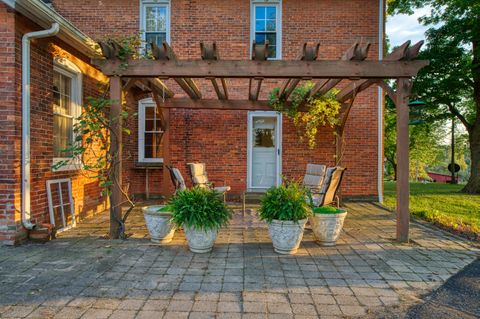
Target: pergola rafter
<point>357,52</point>
<point>209,52</point>
<point>353,66</point>
<point>309,53</point>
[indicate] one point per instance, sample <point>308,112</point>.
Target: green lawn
<point>442,204</point>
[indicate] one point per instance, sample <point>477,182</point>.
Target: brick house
<point>227,141</point>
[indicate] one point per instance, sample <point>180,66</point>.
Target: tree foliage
<point>451,83</point>
<point>425,143</point>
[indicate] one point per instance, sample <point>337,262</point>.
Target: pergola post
<point>404,87</point>
<point>116,146</point>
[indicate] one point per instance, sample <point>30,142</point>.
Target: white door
<point>264,149</point>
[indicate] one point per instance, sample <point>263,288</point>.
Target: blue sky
<point>401,28</point>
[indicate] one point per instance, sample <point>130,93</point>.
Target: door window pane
<point>264,132</point>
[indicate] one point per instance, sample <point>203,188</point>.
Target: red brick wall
<point>85,190</point>
<point>220,137</point>
<point>9,148</point>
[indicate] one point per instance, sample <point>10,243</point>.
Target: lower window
<point>150,133</point>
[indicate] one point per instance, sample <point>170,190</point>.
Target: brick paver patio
<point>81,275</point>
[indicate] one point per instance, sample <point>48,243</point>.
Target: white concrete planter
<point>327,227</point>
<point>199,240</point>
<point>160,228</point>
<point>286,235</point>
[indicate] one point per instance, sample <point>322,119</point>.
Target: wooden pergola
<point>400,66</point>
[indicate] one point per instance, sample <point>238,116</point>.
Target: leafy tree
<point>424,143</point>
<point>451,84</point>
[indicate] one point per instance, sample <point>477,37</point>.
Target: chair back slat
<point>177,178</point>
<point>314,177</point>
<point>333,185</point>
<point>198,174</point>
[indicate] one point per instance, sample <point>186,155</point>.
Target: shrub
<point>285,202</point>
<point>200,208</point>
<point>327,210</point>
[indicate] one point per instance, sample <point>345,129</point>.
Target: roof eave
<point>44,16</point>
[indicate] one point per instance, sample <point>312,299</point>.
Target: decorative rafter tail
<point>309,53</point>
<point>403,52</point>
<point>259,53</point>
<point>357,52</point>
<point>208,51</point>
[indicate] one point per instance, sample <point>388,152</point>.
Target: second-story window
<point>155,21</point>
<point>266,26</point>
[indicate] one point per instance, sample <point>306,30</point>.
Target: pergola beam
<point>265,69</point>
<point>214,104</point>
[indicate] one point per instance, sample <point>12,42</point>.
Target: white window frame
<point>68,68</point>
<point>268,3</point>
<point>144,4</point>
<point>141,132</point>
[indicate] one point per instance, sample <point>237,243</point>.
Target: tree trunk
<point>473,185</point>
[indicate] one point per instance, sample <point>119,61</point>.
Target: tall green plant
<point>308,113</point>
<point>288,202</point>
<point>200,208</point>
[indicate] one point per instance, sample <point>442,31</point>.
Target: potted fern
<point>327,224</point>
<point>285,208</point>
<point>157,219</point>
<point>201,213</point>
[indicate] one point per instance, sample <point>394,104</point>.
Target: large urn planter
<point>327,224</point>
<point>286,235</point>
<point>199,240</point>
<point>201,213</point>
<point>159,224</point>
<point>285,209</point>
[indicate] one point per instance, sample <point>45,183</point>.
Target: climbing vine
<point>94,134</point>
<point>308,113</point>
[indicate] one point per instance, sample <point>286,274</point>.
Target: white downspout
<point>26,118</point>
<point>381,31</point>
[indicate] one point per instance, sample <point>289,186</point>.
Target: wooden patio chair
<point>177,178</point>
<point>199,177</point>
<point>324,183</point>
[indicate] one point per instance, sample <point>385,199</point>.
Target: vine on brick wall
<point>320,110</point>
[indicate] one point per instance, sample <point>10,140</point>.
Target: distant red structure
<point>441,178</point>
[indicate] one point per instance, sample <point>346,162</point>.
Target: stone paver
<point>81,275</point>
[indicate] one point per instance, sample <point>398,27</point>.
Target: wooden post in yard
<point>404,87</point>
<point>116,146</point>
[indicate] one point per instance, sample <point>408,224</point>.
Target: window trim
<point>143,22</point>
<point>68,68</point>
<point>141,131</point>
<point>270,3</point>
